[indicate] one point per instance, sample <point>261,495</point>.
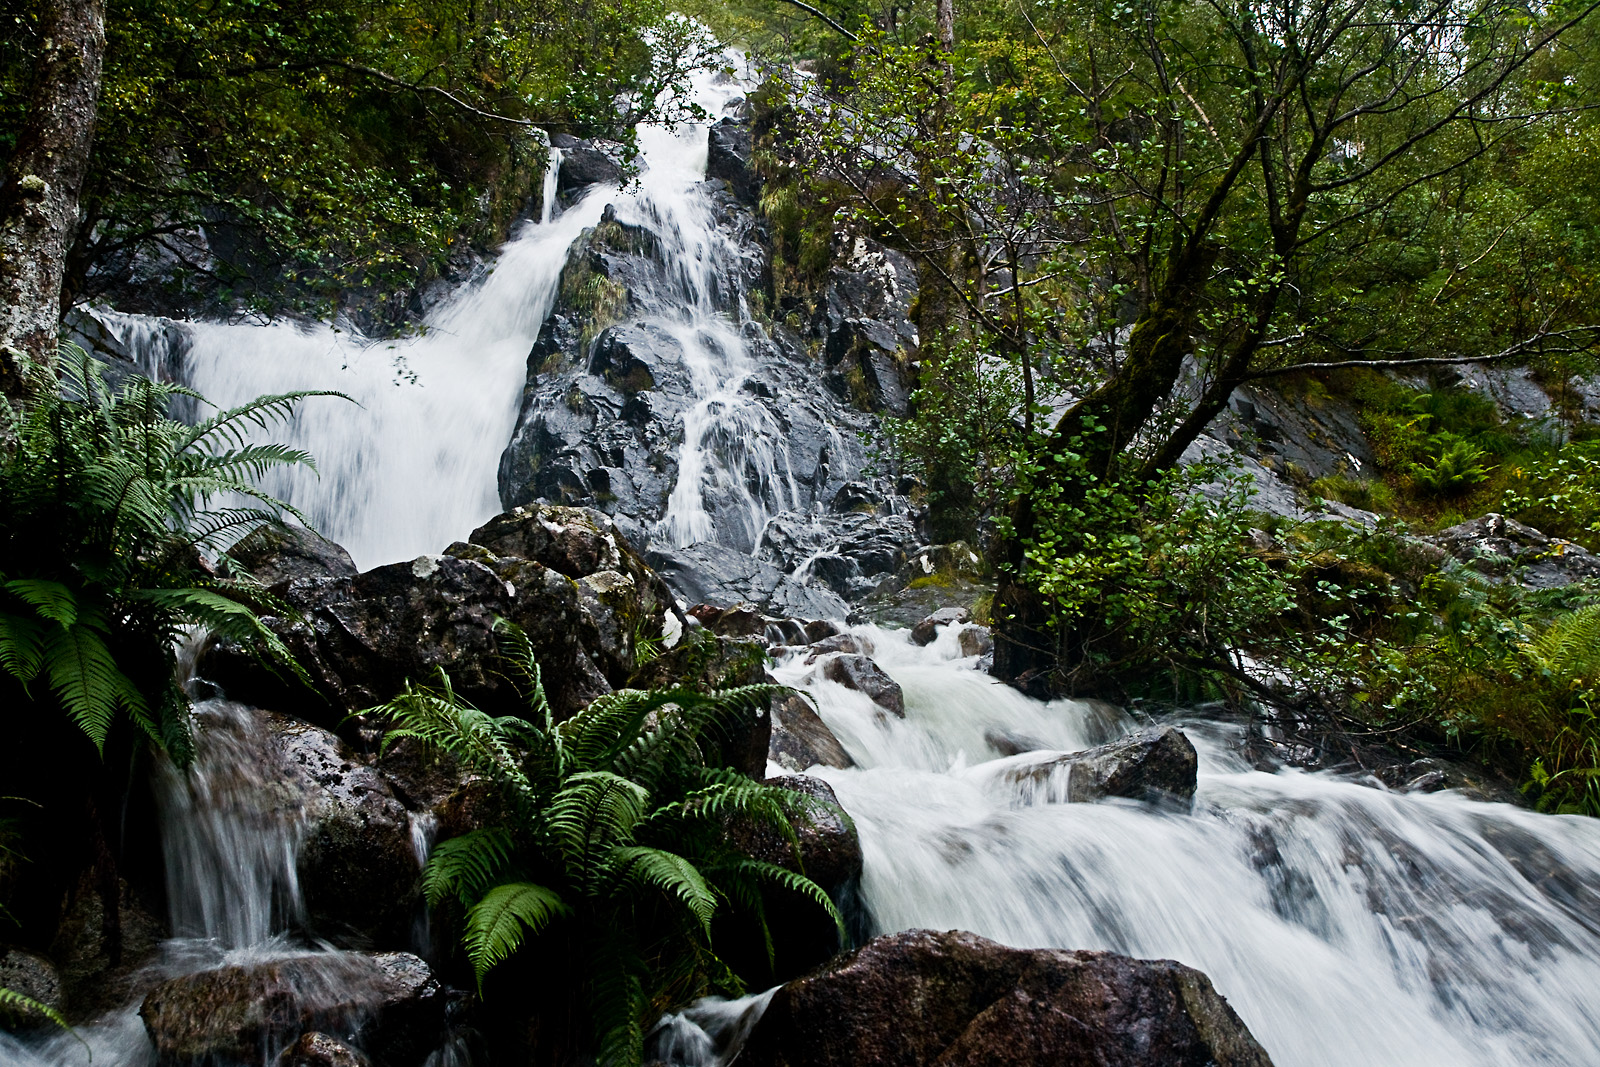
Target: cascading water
<point>1346,924</point>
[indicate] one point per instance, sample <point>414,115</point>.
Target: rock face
<point>1158,765</point>
<point>959,1000</point>
<point>585,163</point>
<point>1504,548</point>
<point>863,675</point>
<point>567,577</point>
<point>612,379</point>
<point>388,1005</point>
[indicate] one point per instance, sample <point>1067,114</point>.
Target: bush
<point>612,850</point>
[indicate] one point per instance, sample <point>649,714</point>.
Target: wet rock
<point>851,643</point>
<point>1158,765</point>
<point>358,867</point>
<point>713,574</point>
<point>956,999</point>
<point>98,960</point>
<point>800,739</point>
<point>1431,774</point>
<point>927,628</point>
<point>728,148</point>
<point>585,163</point>
<point>389,1005</point>
<point>975,641</point>
<point>277,554</point>
<point>566,576</point>
<point>1504,548</point>
<point>863,675</point>
<point>864,325</point>
<point>849,551</point>
<point>35,977</point>
<point>735,620</point>
<point>933,577</point>
<point>1010,743</point>
<point>320,1050</point>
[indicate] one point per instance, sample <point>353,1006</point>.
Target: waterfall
<point>1345,923</point>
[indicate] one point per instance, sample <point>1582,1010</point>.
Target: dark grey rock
<point>728,148</point>
<point>277,554</point>
<point>97,960</point>
<point>585,163</point>
<point>975,641</point>
<point>863,675</point>
<point>801,740</point>
<point>1158,765</point>
<point>35,977</point>
<point>851,643</point>
<point>927,628</point>
<point>954,999</point>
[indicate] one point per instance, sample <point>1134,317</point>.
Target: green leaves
<point>104,508</point>
<point>498,924</point>
<point>615,830</point>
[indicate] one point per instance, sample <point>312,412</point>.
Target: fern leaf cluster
<point>614,843</point>
<point>107,508</point>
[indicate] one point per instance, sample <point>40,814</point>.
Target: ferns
<point>105,507</point>
<point>615,834</point>
<point>1570,648</point>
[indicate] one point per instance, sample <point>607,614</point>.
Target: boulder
<point>800,739</point>
<point>975,641</point>
<point>274,555</point>
<point>927,628</point>
<point>565,575</point>
<point>388,1005</point>
<point>585,163</point>
<point>1157,765</point>
<point>958,1000</point>
<point>319,1050</point>
<point>852,643</point>
<point>1503,548</point>
<point>35,977</point>
<point>357,865</point>
<point>98,960</point>
<point>864,676</point>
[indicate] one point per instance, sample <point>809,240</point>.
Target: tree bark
<point>39,198</point>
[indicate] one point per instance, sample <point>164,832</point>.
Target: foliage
<point>254,152</point>
<point>105,508</point>
<point>613,842</point>
<point>1560,496</point>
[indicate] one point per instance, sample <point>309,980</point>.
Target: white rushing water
<point>1346,924</point>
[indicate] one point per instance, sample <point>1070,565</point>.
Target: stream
<point>1347,924</point>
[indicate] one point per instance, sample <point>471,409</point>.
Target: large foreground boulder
<point>958,1000</point>
<point>800,739</point>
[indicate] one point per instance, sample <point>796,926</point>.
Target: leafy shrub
<point>1455,468</point>
<point>612,849</point>
<point>105,508</point>
<point>1559,494</point>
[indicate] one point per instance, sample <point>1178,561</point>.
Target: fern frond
<point>14,1002</point>
<point>795,883</point>
<point>441,720</point>
<point>1570,647</point>
<point>636,867</point>
<point>21,646</point>
<point>617,1003</point>
<point>497,925</point>
<point>232,427</point>
<point>86,680</point>
<point>593,811</point>
<point>523,670</point>
<point>52,600</point>
<point>465,867</point>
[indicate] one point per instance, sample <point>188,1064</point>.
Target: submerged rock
<point>1156,765</point>
<point>958,1000</point>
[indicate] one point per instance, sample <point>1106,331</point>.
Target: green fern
<point>15,1004</point>
<point>106,508</point>
<point>614,842</point>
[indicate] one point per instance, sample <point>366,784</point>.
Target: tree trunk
<point>1031,651</point>
<point>39,200</point>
